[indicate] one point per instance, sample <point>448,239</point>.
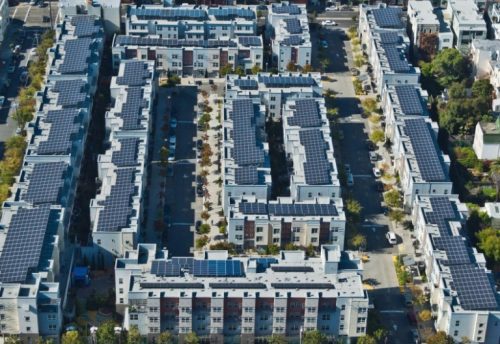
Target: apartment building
<point>485,54</point>
<point>4,18</point>
<point>486,143</point>
<point>467,23</point>
<point>494,14</point>
<point>196,57</point>
<point>274,90</point>
<point>35,219</point>
<point>191,22</point>
<point>288,28</point>
<point>242,299</point>
<point>423,22</point>
<point>116,213</point>
<point>402,101</point>
<point>108,10</point>
<point>463,299</point>
<point>422,167</point>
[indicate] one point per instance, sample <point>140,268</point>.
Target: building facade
<point>486,143</point>
<point>467,23</point>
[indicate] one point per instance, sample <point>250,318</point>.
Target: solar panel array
<point>286,268</point>
<point>218,268</point>
<point>425,149</point>
<point>442,213</point>
<point>474,288</point>
<point>389,17</point>
<point>77,53</point>
<point>293,25</point>
<point>71,92</point>
<point>250,41</point>
<point>167,42</point>
<point>168,13</point>
<point>317,168</point>
<point>85,26</point>
<point>389,37</point>
<point>23,244</point>
<point>225,13</point>
<point>117,205</point>
<point>396,59</point>
<point>409,100</point>
<point>127,155</point>
<point>303,285</point>
<point>63,125</point>
<point>249,285</point>
<point>293,40</point>
<point>45,182</point>
<point>253,208</point>
<point>246,175</point>
<point>165,268</point>
<point>245,152</point>
<point>287,81</point>
<point>131,111</point>
<point>306,114</point>
<point>302,209</point>
<point>246,84</point>
<point>135,73</point>
<point>290,9</point>
<point>456,249</point>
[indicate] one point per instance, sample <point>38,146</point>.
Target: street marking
<point>182,224</point>
<point>362,175</point>
<point>393,311</point>
<point>27,14</point>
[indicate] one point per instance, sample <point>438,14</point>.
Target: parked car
<point>17,49</point>
<point>354,71</point>
<point>170,171</point>
<point>347,168</point>
<point>373,156</point>
<point>391,238</point>
<point>2,101</point>
<point>414,336</point>
<point>376,172</point>
<point>370,145</point>
<point>328,22</point>
<point>173,122</point>
<point>412,318</point>
<point>331,9</point>
<point>408,299</point>
<point>11,69</point>
<point>199,190</point>
<point>171,155</point>
<point>324,44</point>
<point>199,144</point>
<point>350,179</point>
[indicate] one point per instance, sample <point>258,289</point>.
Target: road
<point>354,151</point>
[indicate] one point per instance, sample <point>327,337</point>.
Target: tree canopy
<point>71,337</point>
<point>106,332</point>
<point>448,66</point>
<point>314,337</point>
<point>440,338</point>
<point>489,242</point>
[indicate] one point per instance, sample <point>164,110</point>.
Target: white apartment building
<point>494,14</point>
<point>485,54</point>
<point>423,20</point>
<point>242,299</point>
<point>191,21</point>
<point>36,218</point>
<point>4,18</point>
<point>288,28</point>
<point>199,58</point>
<point>467,23</point>
<point>116,213</point>
<point>463,299</point>
<point>421,166</point>
<point>108,10</point>
<point>274,90</point>
<point>402,101</point>
<point>486,143</point>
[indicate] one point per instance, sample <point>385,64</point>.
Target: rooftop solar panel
<point>425,150</point>
<point>246,175</point>
<point>455,248</point>
<point>292,40</point>
<point>389,17</point>
<point>246,84</point>
<point>127,154</point>
<point>218,268</point>
<point>442,212</point>
<point>389,37</point>
<point>135,73</point>
<point>474,288</point>
<point>253,208</point>
<point>250,41</point>
<point>306,114</point>
<point>397,61</point>
<point>302,209</point>
<point>122,40</point>
<point>23,244</point>
<point>293,25</point>
<point>225,13</point>
<point>409,100</point>
<point>317,168</point>
<point>287,81</point>
<point>168,13</point>
<point>77,54</point>
<point>131,111</point>
<point>45,182</point>
<point>71,92</point>
<point>85,26</point>
<point>63,126</point>
<point>283,9</point>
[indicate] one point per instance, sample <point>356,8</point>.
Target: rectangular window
<point>260,229</point>
<point>314,230</point>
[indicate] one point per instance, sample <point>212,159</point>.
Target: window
<point>239,228</point>
<point>276,240</point>
<point>280,309</point>
<point>175,56</point>
<point>215,64</point>
<point>26,318</point>
<point>52,327</point>
<point>239,237</point>
<point>248,309</point>
<point>260,229</point>
<point>362,310</point>
<point>361,320</point>
<point>272,106</point>
<point>457,323</point>
<point>2,316</point>
<point>257,56</point>
<point>153,309</point>
<point>28,329</point>
<point>258,239</point>
<point>309,194</point>
<point>273,99</point>
<point>314,239</point>
<point>120,290</point>
<point>296,239</point>
<point>360,329</point>
<point>248,320</point>
<point>481,325</point>
<point>325,317</point>
<point>296,230</point>
<point>134,316</point>
<point>455,333</point>
<point>51,317</point>
<point>341,327</point>
<point>280,320</point>
<point>311,309</point>
<point>342,307</point>
<point>120,281</point>
<point>215,56</point>
<point>121,300</point>
<point>342,317</point>
<point>216,309</point>
<point>98,241</point>
<point>153,319</point>
<point>185,320</point>
<point>314,230</point>
<point>217,320</point>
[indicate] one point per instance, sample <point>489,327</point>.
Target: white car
<point>331,9</point>
<point>328,23</point>
<point>391,237</point>
<point>376,172</point>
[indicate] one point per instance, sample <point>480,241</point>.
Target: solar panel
<point>172,285</point>
<point>246,175</point>
<point>23,244</point>
<point>246,84</point>
<point>389,37</point>
<point>455,248</point>
<point>292,25</point>
<point>474,288</point>
<point>264,263</point>
<point>306,114</point>
<point>85,26</point>
<point>135,73</point>
<point>287,81</point>
<point>71,92</point>
<point>165,268</point>
<point>226,13</point>
<point>45,182</point>
<point>253,208</point>
<point>442,212</point>
<point>127,154</point>
<point>396,60</point>
<point>184,262</point>
<point>293,40</point>
<point>63,126</point>
<point>302,209</point>
<point>218,268</point>
<point>285,268</point>
<point>131,111</point>
<point>425,149</point>
<point>409,100</point>
<point>117,208</point>
<point>302,285</point>
<point>283,9</point>
<point>168,13</point>
<point>317,168</point>
<point>77,53</point>
<point>249,285</point>
<point>250,41</point>
<point>389,17</point>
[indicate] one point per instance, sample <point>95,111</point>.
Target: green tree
<point>354,210</point>
<point>377,136</point>
<point>428,45</point>
<point>22,116</point>
<point>164,155</point>
<point>369,105</point>
<point>358,241</point>
<point>449,66</point>
<point>12,339</point>
<point>201,241</point>
<point>367,339</point>
<point>393,199</point>
<point>256,69</point>
<point>226,69</point>
<point>324,62</point>
<point>291,247</point>
<point>307,68</point>
<point>239,71</point>
<point>134,336</point>
<point>106,332</point>
<point>272,249</point>
<point>482,89</point>
<point>332,113</point>
<point>425,315</point>
<point>72,337</point>
<point>224,245</point>
<point>204,228</point>
<point>276,339</point>
<point>440,338</point>
<point>191,338</point>
<point>457,91</point>
<point>380,334</point>
<point>314,337</point>
<point>165,338</point>
<point>291,66</point>
<point>396,215</point>
<point>489,243</point>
